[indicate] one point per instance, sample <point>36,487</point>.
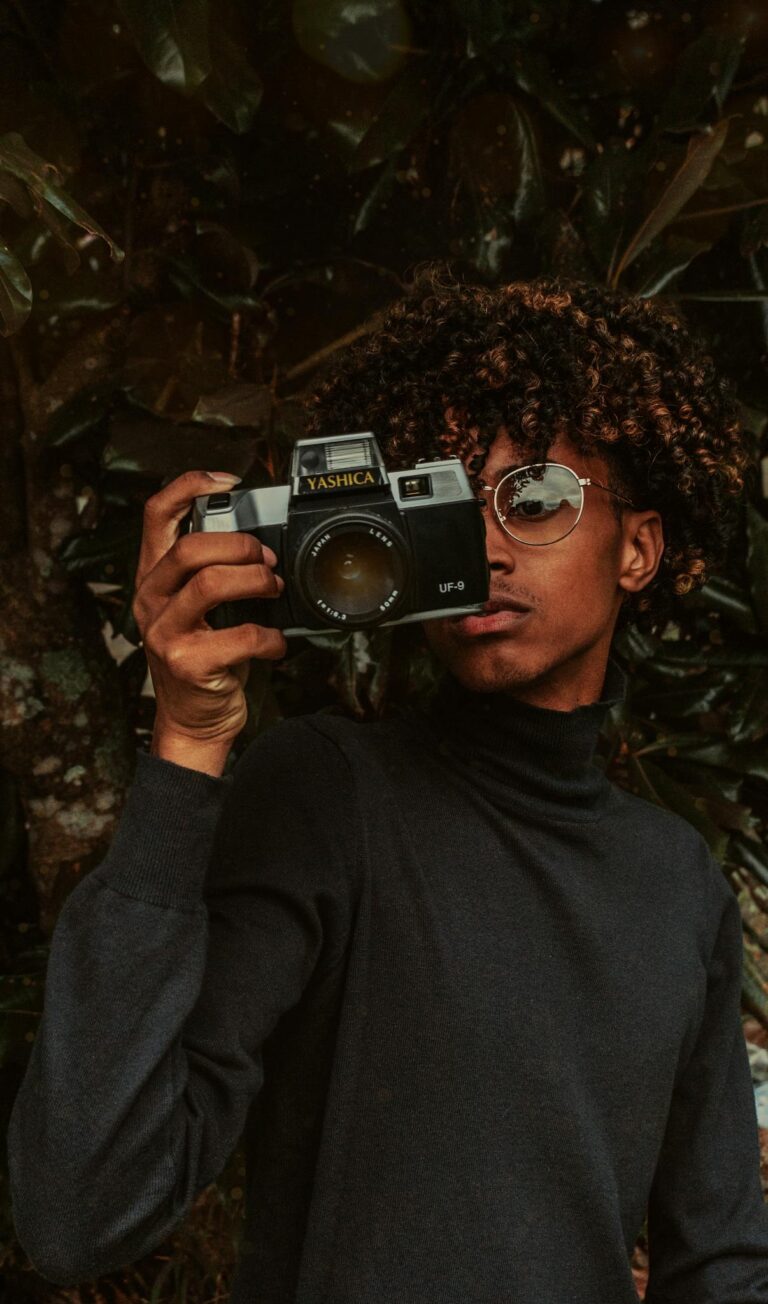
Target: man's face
<point>555,654</point>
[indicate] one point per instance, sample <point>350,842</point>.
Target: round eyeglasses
<point>541,503</point>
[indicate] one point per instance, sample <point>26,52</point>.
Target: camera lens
<point>354,571</point>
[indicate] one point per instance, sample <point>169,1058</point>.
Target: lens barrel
<point>353,570</point>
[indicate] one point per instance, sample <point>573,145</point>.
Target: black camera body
<point>357,545</point>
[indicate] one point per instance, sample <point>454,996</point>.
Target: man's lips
<point>504,604</point>
<point>499,615</point>
<point>499,604</point>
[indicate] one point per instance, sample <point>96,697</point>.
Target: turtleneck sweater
<point>518,755</point>
<point>470,1010</point>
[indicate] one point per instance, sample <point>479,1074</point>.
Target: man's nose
<point>499,546</point>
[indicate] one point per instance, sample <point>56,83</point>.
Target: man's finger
<point>164,511</point>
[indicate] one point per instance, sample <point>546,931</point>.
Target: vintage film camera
<point>357,545</point>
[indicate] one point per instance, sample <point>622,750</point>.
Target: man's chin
<point>485,664</point>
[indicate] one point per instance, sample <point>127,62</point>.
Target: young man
<point>473,1008</point>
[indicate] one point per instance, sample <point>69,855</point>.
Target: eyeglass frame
<point>582,482</point>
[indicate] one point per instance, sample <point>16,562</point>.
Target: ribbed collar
<point>521,755</point>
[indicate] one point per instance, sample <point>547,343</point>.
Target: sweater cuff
<point>161,847</point>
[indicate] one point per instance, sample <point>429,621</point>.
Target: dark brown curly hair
<point>623,377</point>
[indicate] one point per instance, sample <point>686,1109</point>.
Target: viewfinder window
<point>415,486</point>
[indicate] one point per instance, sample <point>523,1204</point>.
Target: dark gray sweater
<point>472,1007</point>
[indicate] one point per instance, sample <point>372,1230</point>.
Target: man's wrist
<point>211,758</point>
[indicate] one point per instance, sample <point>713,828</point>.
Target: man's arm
<point>707,1219</point>
<point>169,965</point>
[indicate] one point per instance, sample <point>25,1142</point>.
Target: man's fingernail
<point>224,475</point>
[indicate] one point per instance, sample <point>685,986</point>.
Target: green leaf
<point>635,646</point>
<point>488,22</point>
<point>174,353</point>
<point>746,758</point>
<point>680,703</point>
<point>346,674</point>
<point>678,660</point>
<point>493,237</point>
<point>13,193</point>
<point>363,43</point>
<point>15,292</point>
<point>60,234</point>
<point>152,448</point>
<point>701,154</point>
<point>84,412</point>
<point>748,714</point>
<point>753,854</point>
<point>172,39</point>
<point>532,72</point>
<point>233,90</point>
<point>240,404</point>
<point>706,68</point>
<point>727,597</point>
<point>376,196</point>
<point>113,541</point>
<point>718,785</point>
<point>609,183</point>
<point>496,153</point>
<point>395,122</point>
<point>186,277</point>
<point>666,260</point>
<point>727,814</point>
<point>530,196</point>
<point>382,648</point>
<point>43,180</point>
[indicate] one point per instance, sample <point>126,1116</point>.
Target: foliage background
<point>199,205</point>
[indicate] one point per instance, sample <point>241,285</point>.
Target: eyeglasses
<point>541,503</point>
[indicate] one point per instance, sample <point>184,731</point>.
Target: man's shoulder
<point>673,841</point>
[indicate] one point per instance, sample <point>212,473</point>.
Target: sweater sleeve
<point>707,1219</point>
<point>170,963</point>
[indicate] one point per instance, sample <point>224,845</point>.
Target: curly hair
<point>623,377</point>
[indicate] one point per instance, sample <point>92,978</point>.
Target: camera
<point>357,545</point>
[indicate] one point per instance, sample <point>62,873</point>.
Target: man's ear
<point>642,550</point>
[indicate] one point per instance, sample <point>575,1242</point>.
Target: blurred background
<point>200,204</point>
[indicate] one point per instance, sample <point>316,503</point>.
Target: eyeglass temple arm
<point>583,480</point>
<point>587,480</point>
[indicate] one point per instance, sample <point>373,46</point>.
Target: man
<point>473,1009</point>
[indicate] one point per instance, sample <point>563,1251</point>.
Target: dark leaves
<point>172,38</point>
<point>15,292</point>
<point>690,176</point>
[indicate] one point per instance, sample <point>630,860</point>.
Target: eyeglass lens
<point>539,504</point>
